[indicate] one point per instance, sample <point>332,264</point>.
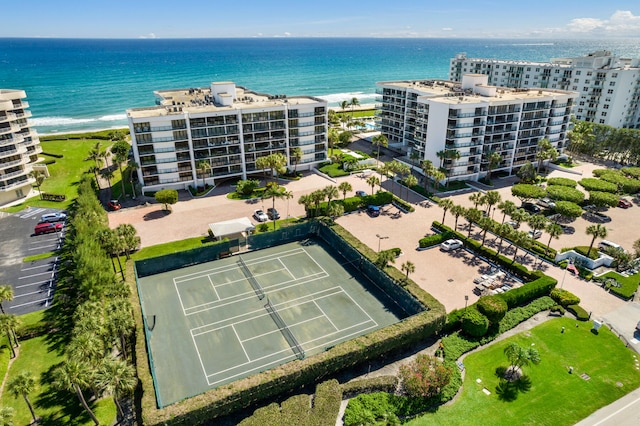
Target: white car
<point>260,216</point>
<point>451,244</point>
<point>535,235</point>
<point>53,217</point>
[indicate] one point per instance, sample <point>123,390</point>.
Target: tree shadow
<point>156,214</point>
<point>66,406</point>
<point>508,390</point>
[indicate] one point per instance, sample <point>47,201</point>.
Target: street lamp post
<point>380,238</point>
<point>565,274</point>
<point>466,299</point>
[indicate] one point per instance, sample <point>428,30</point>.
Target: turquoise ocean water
<point>76,85</point>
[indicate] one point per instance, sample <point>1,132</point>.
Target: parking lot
<point>33,282</point>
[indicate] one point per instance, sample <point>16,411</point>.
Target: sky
<point>587,19</point>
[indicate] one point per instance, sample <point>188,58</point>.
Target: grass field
<point>555,397</point>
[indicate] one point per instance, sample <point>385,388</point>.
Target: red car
<point>114,205</point>
<point>624,203</point>
<point>47,227</point>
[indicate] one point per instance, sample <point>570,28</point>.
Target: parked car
<point>535,235</point>
<point>361,194</point>
<point>53,217</point>
<point>638,326</point>
<point>114,205</point>
<point>513,224</point>
<point>624,203</point>
<point>531,208</point>
<point>566,229</point>
<point>596,217</point>
<point>273,213</point>
<point>47,227</point>
<point>260,216</point>
<point>451,244</point>
<point>547,203</point>
<point>605,244</point>
<point>374,211</point>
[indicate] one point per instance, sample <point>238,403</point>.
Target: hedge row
<point>370,385</point>
<point>285,378</point>
<point>579,312</point>
<point>49,154</point>
<point>353,203</point>
<point>457,344</point>
<point>434,240</point>
<point>53,197</point>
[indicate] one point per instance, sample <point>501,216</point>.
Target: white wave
<point>68,121</point>
<point>532,44</point>
<point>336,98</point>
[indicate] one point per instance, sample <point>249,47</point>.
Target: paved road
<point>623,412</point>
<point>34,282</point>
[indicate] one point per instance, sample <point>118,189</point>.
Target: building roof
<point>231,227</point>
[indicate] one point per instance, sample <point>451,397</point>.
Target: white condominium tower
<point>471,120</point>
<point>228,127</point>
<point>19,146</point>
<point>609,85</point>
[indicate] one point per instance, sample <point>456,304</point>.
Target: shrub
<point>166,197</point>
<point>433,240</point>
<point>263,227</point>
<point>558,309</point>
<point>535,289</point>
<point>367,409</point>
<point>425,377</point>
<point>53,197</point>
<point>492,307</point>
<point>564,297</point>
<point>246,187</point>
<point>397,251</point>
<point>595,184</point>
<point>370,385</point>
<point>565,193</point>
<point>50,154</point>
<point>600,198</point>
<point>516,315</point>
<point>562,182</point>
<point>474,323</point>
<point>579,312</point>
<point>526,191</point>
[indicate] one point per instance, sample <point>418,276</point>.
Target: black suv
<point>531,208</point>
<point>273,213</point>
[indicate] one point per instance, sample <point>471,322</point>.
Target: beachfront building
<point>609,85</point>
<point>458,125</point>
<point>228,128</point>
<point>19,147</point>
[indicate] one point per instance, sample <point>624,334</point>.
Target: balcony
<point>16,139</point>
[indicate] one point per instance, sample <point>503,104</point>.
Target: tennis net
<point>286,332</point>
<point>252,280</point>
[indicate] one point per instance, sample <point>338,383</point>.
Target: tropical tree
<point>504,231</point>
<point>379,140</point>
<point>453,155</point>
<point>6,295</point>
<point>8,322</point>
<point>442,155</point>
<point>384,257</point>
<point>306,201</point>
<point>39,177</point>
<point>107,174</point>
<point>277,162</point>
<point>372,181</point>
<point>472,216</point>
<point>438,176</point>
<point>427,169</point>
<point>519,357</point>
<point>120,151</point>
<point>117,378</point>
<point>335,210</point>
<point>597,231</point>
<point>274,191</point>
<point>425,377</point>
<point>296,155</point>
<point>331,192</point>
<point>493,160</point>
<point>507,207</point>
<point>317,197</point>
<point>526,192</point>
<point>129,239</point>
<point>491,198</point>
<point>554,230</point>
<point>132,166</point>
<point>477,198</point>
<point>202,167</point>
<point>354,103</point>
<point>333,137</point>
<point>519,216</point>
<point>22,385</point>
<point>415,155</point>
<point>445,204</point>
<point>527,173</point>
<point>410,181</point>
<point>520,239</point>
<point>536,222</point>
<point>166,197</point>
<point>73,376</point>
<point>262,163</point>
<point>486,224</point>
<point>545,151</point>
<point>6,416</point>
<point>457,211</point>
<point>345,187</point>
<point>408,267</point>
<point>86,347</point>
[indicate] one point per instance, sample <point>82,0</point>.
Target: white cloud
<point>621,23</point>
<point>150,35</point>
<point>447,29</point>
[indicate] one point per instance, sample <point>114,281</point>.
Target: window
<point>606,106</point>
<point>603,114</point>
<point>614,75</point>
<point>585,88</point>
<point>612,83</point>
<point>528,68</point>
<point>589,74</point>
<point>602,121</point>
<point>574,88</point>
<point>581,103</point>
<point>586,81</point>
<point>580,110</point>
<point>557,71</point>
<point>526,82</point>
<point>576,80</point>
<point>610,91</point>
<point>578,72</point>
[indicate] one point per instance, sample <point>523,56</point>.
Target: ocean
<point>79,85</point>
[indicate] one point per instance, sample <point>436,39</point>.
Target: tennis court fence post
<point>286,332</point>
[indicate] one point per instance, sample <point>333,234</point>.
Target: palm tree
<point>331,192</point>
<point>519,216</point>
<point>6,416</point>
<point>379,140</point>
<point>410,182</point>
<point>73,376</point>
<point>537,221</point>
<point>344,105</point>
<point>554,230</point>
<point>120,322</point>
<point>345,187</point>
<point>384,257</point>
<point>202,167</point>
<point>472,216</point>
<point>372,181</point>
<point>408,267</point>
<point>519,357</point>
<point>427,169</point>
<point>274,191</point>
<point>276,162</point>
<point>86,347</point>
<point>296,156</point>
<point>335,210</point>
<point>454,155</point>
<point>22,385</point>
<point>445,204</point>
<point>438,176</point>
<point>317,197</point>
<point>39,177</point>
<point>507,207</point>
<point>415,155</point>
<point>6,295</point>
<point>494,159</point>
<point>477,198</point>
<point>485,224</point>
<point>6,326</point>
<point>107,174</point>
<point>521,239</point>
<point>442,155</point>
<point>132,166</point>
<point>306,201</point>
<point>117,378</point>
<point>120,151</point>
<point>457,211</point>
<point>128,235</point>
<point>504,231</point>
<point>598,231</point>
<point>262,163</point>
<point>491,198</point>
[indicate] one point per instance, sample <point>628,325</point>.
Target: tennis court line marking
<point>323,313</point>
<point>233,327</point>
<point>213,286</point>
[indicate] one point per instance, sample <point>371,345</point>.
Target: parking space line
<point>30,214</point>
<point>47,300</point>
<point>32,284</point>
<point>46,265</point>
<point>28,294</point>
<point>35,275</point>
<point>43,247</point>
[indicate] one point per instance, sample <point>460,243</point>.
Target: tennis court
<point>217,322</point>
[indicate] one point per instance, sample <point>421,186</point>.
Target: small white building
<point>19,147</point>
<point>226,126</point>
<point>609,85</point>
<point>474,119</point>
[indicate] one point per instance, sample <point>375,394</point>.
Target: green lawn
<point>555,397</point>
<point>55,407</point>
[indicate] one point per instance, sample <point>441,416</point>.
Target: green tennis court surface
<point>220,321</point>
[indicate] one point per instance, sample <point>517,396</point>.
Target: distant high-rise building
<point>609,85</point>
<point>227,126</point>
<point>19,146</point>
<point>468,121</point>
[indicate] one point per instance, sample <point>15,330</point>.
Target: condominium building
<point>19,146</point>
<point>609,85</point>
<point>228,127</point>
<point>472,119</point>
